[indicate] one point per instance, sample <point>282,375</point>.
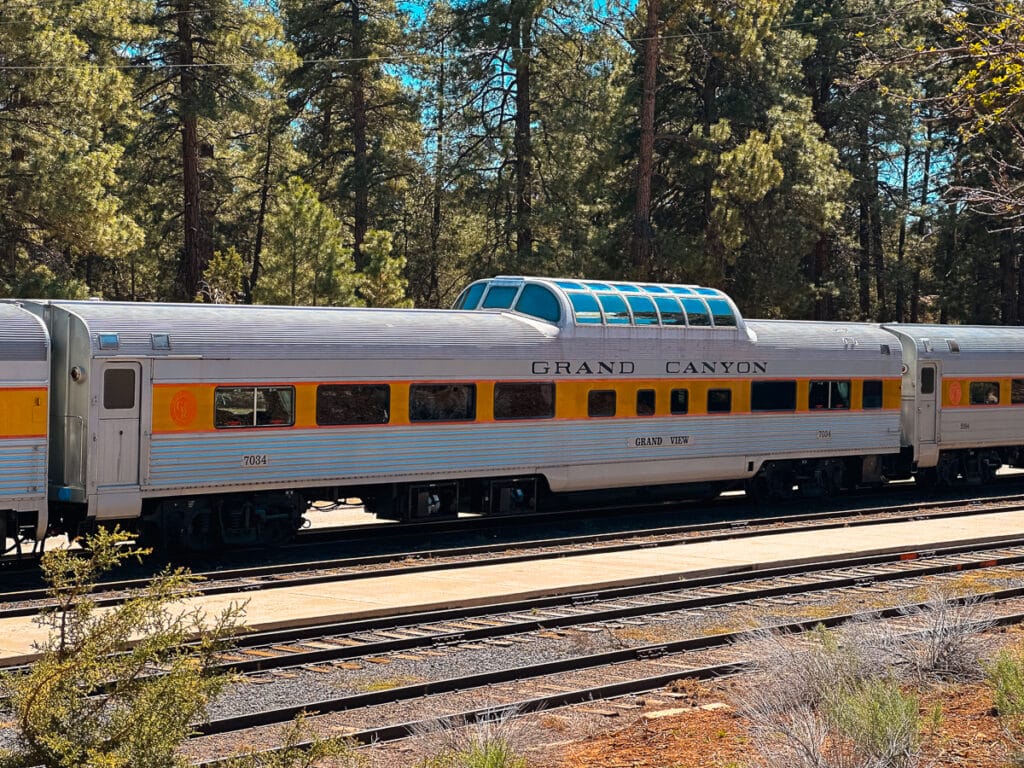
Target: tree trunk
<point>261,217</point>
<point>643,232</point>
<point>877,246</point>
<point>197,250</point>
<point>360,158</point>
<point>922,226</point>
<point>713,249</point>
<point>864,268</point>
<point>523,27</point>
<point>433,291</point>
<point>819,267</point>
<point>901,246</point>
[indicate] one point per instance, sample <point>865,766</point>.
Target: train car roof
<point>867,339</point>
<point>961,341</point>
<point>155,330</point>
<point>22,335</point>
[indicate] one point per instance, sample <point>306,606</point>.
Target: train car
<point>963,399</point>
<point>219,424</point>
<point>24,393</point>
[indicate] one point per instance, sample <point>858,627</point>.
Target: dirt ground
<point>708,734</point>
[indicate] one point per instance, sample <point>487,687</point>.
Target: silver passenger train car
<point>208,424</point>
<point>24,387</point>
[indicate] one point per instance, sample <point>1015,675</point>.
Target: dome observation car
<point>567,302</point>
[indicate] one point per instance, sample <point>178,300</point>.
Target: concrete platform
<point>383,594</point>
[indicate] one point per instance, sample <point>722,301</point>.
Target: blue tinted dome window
<point>471,296</point>
<point>538,301</point>
<point>643,310</point>
<point>585,308</point>
<point>671,312</point>
<point>696,311</point>
<point>722,312</point>
<point>604,303</point>
<point>615,311</point>
<point>500,296</point>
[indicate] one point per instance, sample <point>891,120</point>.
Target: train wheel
<point>774,482</point>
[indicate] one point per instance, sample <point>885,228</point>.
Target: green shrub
<point>880,722</point>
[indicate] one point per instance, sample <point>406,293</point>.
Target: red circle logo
<point>183,408</point>
<point>956,392</point>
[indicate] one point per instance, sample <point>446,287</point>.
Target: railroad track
<point>574,678</point>
<point>513,529</point>
<point>30,602</point>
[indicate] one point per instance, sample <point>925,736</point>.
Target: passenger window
<point>275,406</point>
<point>984,393</point>
<point>671,313</point>
<point>442,402</point>
<point>927,381</point>
<point>471,296</point>
<point>871,397</point>
<point>643,310</point>
<point>346,404</point>
<point>236,407</point>
<point>500,297</point>
<point>524,400</point>
<point>697,311</point>
<point>679,403</point>
<point>773,396</point>
<point>614,306</point>
<point>834,395</point>
<point>722,313</point>
<point>645,402</point>
<point>119,389</point>
<point>601,403</point>
<point>719,401</point>
<point>585,308</point>
<point>1017,392</point>
<point>538,301</point>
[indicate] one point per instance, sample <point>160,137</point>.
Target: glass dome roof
<point>603,302</point>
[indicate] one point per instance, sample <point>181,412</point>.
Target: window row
<point>764,396</point>
<point>988,392</point>
<point>360,404</point>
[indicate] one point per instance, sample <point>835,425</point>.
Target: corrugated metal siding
<point>339,456</point>
<point>22,469</point>
<point>22,336</point>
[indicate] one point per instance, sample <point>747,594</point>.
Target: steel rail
<point>518,674</point>
<point>559,548</point>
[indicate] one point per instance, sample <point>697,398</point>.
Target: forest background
<point>830,159</point>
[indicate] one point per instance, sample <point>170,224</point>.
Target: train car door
<point>116,448</point>
<point>927,413</point>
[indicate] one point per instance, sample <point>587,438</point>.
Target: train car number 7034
<point>254,460</point>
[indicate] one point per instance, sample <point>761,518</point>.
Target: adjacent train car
<point>963,399</point>
<point>24,381</point>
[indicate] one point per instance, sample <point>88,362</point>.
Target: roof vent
<point>885,350</point>
<point>109,341</point>
<point>160,341</point>
<point>954,346</point>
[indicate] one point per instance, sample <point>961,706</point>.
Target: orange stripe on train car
<point>189,407</point>
<point>23,412</point>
